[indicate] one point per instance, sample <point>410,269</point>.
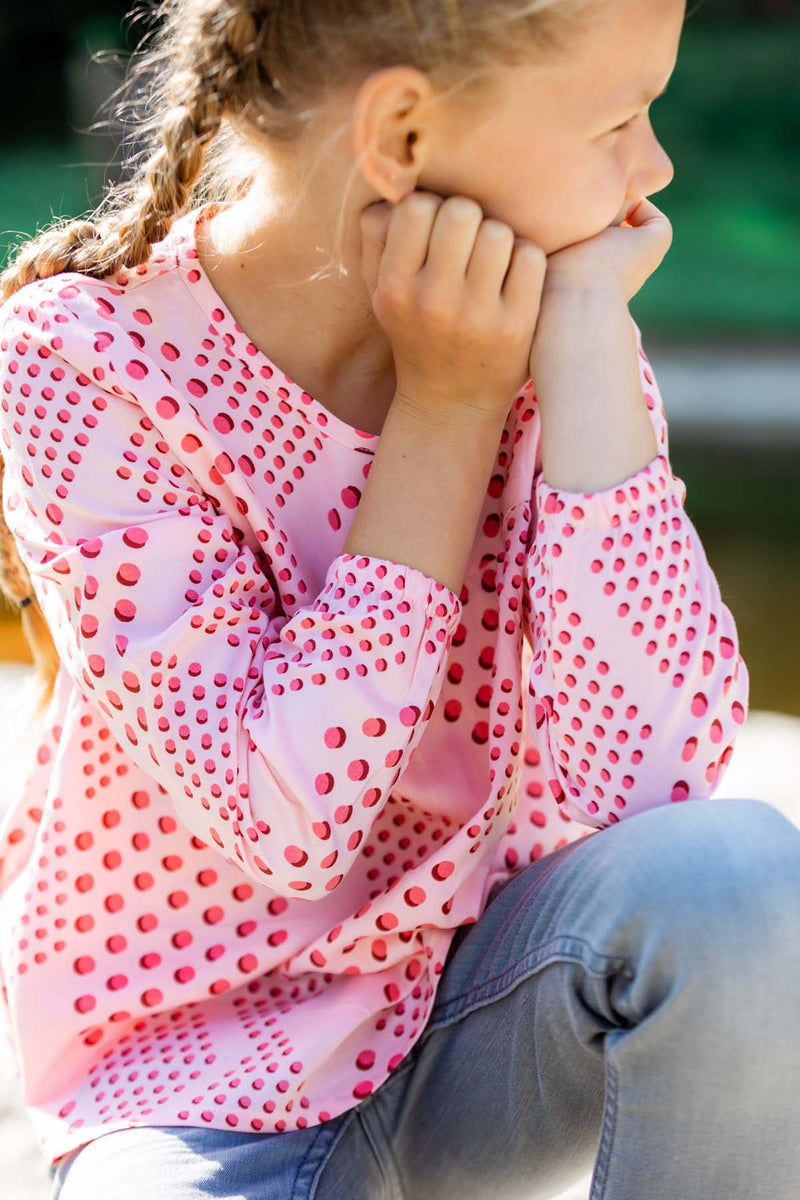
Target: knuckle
<point>532,254</point>
<point>463,207</point>
<point>392,291</point>
<point>497,229</point>
<point>374,215</point>
<point>419,203</point>
<point>434,308</point>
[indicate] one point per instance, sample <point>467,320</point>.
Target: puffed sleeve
<point>637,688</point>
<point>277,740</point>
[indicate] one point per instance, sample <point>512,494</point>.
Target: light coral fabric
<point>275,778</point>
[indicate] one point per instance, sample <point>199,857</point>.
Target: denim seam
<point>327,1137</point>
<point>392,1173</point>
<point>603,1158</point>
<point>565,947</point>
<point>382,1153</point>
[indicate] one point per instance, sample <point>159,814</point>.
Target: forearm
<point>595,427</point>
<point>425,490</point>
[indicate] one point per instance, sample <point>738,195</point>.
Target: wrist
<point>596,430</point>
<point>577,314</point>
<point>584,292</point>
<point>451,416</point>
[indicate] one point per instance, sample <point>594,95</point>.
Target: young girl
<point>370,592</point>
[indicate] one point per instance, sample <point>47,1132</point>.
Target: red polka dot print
<point>275,778</point>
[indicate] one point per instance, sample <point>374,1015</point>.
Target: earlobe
<point>384,149</point>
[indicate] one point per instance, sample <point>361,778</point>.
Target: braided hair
<point>223,76</point>
<point>227,36</point>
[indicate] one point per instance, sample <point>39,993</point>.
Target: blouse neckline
<point>224,323</point>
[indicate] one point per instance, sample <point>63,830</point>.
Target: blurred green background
<point>731,124</point>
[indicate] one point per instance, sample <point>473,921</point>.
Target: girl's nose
<point>657,170</point>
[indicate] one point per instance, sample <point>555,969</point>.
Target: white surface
<point>765,764</point>
<point>734,395</point>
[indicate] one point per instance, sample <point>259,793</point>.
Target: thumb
<point>649,248</point>
<point>375,221</point>
<point>647,217</point>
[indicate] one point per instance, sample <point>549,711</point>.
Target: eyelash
<point>630,121</point>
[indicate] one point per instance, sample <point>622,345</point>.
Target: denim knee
<point>719,872</point>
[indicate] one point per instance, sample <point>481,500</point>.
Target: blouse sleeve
<point>636,683</point>
<point>278,740</point>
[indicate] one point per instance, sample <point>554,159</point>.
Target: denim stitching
<point>558,949</point>
<point>603,1158</point>
<point>387,1165</point>
<point>391,1174</point>
<point>327,1137</point>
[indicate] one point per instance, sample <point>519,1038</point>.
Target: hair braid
<point>118,241</point>
<point>16,586</point>
<point>268,66</point>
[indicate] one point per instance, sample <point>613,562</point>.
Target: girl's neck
<point>323,334</point>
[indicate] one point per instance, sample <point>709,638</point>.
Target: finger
<point>409,234</point>
<point>522,290</point>
<point>452,241</point>
<point>654,224</point>
<point>645,213</point>
<point>489,263</point>
<point>375,222</point>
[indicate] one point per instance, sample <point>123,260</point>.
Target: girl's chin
<point>583,237</point>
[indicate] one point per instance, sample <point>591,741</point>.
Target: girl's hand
<point>617,261</point>
<point>458,297</point>
<point>594,280</point>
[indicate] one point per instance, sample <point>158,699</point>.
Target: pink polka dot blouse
<point>275,778</point>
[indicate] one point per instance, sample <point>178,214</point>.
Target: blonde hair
<point>216,75</point>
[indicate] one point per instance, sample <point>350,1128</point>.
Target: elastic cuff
<point>652,490</point>
<point>359,583</point>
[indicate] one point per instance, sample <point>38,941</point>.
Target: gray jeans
<point>630,1004</point>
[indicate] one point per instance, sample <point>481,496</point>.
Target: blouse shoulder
<point>72,298</point>
<point>88,323</point>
